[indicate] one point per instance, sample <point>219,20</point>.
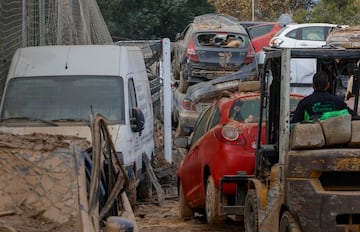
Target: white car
<point>307,35</point>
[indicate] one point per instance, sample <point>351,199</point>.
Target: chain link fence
<point>26,23</point>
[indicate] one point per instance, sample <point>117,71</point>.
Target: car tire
<point>251,213</point>
<point>212,203</point>
<point>184,210</point>
<point>183,85</point>
<point>288,223</point>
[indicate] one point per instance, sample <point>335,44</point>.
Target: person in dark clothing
<point>320,101</point>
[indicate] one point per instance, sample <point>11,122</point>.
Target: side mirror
<point>181,142</point>
<point>138,120</point>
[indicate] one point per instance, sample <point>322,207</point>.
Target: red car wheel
<point>212,203</point>
<point>184,209</point>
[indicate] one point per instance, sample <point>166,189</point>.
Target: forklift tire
<point>212,203</point>
<point>184,210</point>
<point>251,212</point>
<point>288,223</point>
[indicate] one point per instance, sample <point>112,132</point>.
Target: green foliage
<point>336,11</point>
<point>147,19</point>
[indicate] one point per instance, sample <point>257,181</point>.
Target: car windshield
<point>64,98</point>
<point>225,40</point>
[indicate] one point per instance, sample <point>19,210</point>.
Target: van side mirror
<point>138,120</point>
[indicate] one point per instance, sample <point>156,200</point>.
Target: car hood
<point>220,86</point>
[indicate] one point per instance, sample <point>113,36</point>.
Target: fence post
<point>167,97</point>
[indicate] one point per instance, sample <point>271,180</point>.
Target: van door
<point>135,137</point>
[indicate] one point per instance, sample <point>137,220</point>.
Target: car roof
<point>217,22</point>
<point>292,26</point>
<point>252,23</point>
<point>262,24</point>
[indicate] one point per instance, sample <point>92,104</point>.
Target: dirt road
<point>151,217</point>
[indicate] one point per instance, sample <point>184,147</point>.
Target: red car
<point>261,34</point>
<point>223,143</point>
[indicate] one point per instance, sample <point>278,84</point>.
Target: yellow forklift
<point>307,175</point>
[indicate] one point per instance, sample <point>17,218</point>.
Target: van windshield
<point>64,98</point>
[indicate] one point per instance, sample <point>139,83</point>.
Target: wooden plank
<point>154,180</point>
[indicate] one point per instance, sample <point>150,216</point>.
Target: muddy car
<point>345,37</point>
<point>63,183</point>
<point>211,46</point>
<point>187,107</point>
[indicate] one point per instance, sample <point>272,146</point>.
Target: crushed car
<point>211,46</point>
<point>187,107</point>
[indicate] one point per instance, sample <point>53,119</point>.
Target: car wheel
<point>288,223</point>
<point>183,85</point>
<point>184,209</point>
<point>212,203</point>
<point>251,212</point>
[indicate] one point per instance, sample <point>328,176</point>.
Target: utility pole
<point>252,10</point>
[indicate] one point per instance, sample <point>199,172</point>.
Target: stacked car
<point>211,46</point>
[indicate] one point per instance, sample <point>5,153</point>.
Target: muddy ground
<point>151,217</point>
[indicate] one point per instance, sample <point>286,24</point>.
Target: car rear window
<point>224,40</point>
<point>246,110</point>
<point>260,30</point>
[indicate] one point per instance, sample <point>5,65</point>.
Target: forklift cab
<point>340,65</point>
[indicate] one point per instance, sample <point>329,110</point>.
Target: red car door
<point>192,170</point>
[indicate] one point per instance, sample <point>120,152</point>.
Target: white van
<point>55,89</point>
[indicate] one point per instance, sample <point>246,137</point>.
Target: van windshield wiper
<point>70,120</point>
<point>30,119</point>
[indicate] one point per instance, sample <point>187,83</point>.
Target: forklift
<point>307,176</point>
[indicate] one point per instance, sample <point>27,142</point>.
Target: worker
<point>320,101</point>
